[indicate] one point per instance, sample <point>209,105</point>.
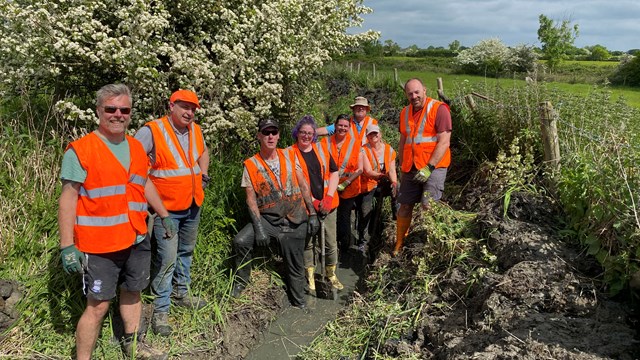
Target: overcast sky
<point>614,24</point>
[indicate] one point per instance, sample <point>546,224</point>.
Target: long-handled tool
<point>324,288</point>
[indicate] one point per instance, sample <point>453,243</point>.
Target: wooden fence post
<point>470,102</point>
<point>395,75</point>
<point>550,135</point>
<point>358,69</point>
<point>374,70</point>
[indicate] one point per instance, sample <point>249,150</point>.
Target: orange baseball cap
<point>186,96</point>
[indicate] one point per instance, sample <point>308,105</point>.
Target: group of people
<point>111,182</point>
<point>332,171</point>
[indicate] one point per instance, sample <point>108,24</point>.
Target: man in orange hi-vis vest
<point>179,170</point>
<point>103,222</point>
<point>281,210</point>
<point>423,154</point>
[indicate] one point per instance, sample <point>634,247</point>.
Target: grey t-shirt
<point>145,136</point>
<point>274,165</point>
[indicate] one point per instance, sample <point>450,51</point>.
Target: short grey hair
<point>110,91</point>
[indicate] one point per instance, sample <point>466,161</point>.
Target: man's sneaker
<point>188,301</point>
<point>134,349</point>
<point>160,324</point>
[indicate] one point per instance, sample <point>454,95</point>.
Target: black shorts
<point>128,268</point>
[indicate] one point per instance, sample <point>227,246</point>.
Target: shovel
<point>324,289</point>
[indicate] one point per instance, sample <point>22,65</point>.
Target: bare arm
<point>393,176</point>
<point>153,198</point>
<point>444,139</point>
<point>67,205</point>
<point>203,161</point>
<point>403,139</point>
<point>306,192</point>
<point>322,131</point>
<point>252,204</point>
<point>334,179</point>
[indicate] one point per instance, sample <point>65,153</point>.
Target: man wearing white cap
<point>179,165</point>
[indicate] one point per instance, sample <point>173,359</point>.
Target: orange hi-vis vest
<point>112,208</point>
<point>177,175</point>
<point>324,157</point>
<point>421,137</point>
<point>360,135</point>
<point>389,155</point>
<point>277,199</point>
<point>347,161</point>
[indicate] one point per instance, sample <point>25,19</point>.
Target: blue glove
<point>170,228</point>
<point>72,259</point>
<point>423,174</point>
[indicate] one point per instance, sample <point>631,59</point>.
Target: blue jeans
<point>171,262</point>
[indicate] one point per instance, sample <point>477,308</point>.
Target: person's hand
<point>170,228</point>
<point>343,185</point>
<point>394,189</point>
<point>327,202</point>
<point>72,259</point>
<point>316,204</point>
<point>313,225</point>
<point>423,174</point>
<point>262,239</point>
<point>206,179</point>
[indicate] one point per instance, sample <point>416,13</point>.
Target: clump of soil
<point>10,295</point>
<point>539,302</point>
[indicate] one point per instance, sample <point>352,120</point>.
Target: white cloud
<point>613,24</point>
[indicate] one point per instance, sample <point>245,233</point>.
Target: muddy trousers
<point>330,247</point>
<point>291,240</point>
<point>363,205</point>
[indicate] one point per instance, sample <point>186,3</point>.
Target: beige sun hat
<point>360,101</point>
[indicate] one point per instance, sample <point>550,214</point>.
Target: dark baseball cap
<point>267,123</point>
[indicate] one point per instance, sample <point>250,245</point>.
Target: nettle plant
<point>242,57</point>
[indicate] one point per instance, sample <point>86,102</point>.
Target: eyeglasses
<point>305,133</point>
<point>113,109</point>
<point>267,132</point>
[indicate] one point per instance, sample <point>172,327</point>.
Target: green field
<point>455,81</point>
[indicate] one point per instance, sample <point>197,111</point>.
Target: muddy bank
<point>539,302</point>
<point>10,295</point>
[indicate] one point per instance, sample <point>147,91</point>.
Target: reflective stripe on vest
<point>419,138</point>
<point>183,170</point>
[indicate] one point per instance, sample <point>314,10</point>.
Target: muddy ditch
<point>541,302</point>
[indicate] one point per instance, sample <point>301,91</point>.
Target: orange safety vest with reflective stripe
<point>177,175</point>
<point>421,137</point>
<point>277,199</point>
<point>389,155</point>
<point>112,208</point>
<point>360,135</point>
<point>324,157</point>
<point>347,161</point>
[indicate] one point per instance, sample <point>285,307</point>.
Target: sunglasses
<point>112,110</point>
<point>267,132</point>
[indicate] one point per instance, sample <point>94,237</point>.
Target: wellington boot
<point>311,280</point>
<point>398,247</point>
<point>331,275</point>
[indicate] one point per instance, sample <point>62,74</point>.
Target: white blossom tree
<point>242,57</point>
<point>492,57</point>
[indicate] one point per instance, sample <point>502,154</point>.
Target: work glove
<point>206,179</point>
<point>394,189</point>
<point>72,259</point>
<point>423,174</point>
<point>316,204</point>
<point>313,225</point>
<point>170,228</point>
<point>327,201</point>
<point>343,185</point>
<point>262,239</point>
